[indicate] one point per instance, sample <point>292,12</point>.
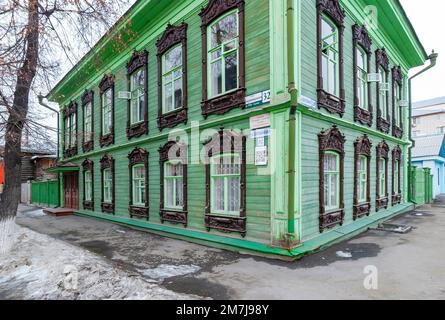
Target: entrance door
<point>71,187</point>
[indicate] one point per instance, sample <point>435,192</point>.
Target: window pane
<point>326,32</point>
<point>224,30</point>
<point>179,193</point>
<point>234,194</point>
<point>216,78</point>
<point>169,196</point>
<point>168,97</point>
<point>178,93</point>
<point>218,194</point>
<point>330,162</point>
<point>173,58</point>
<point>231,72</point>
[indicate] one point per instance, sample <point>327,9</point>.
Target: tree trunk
<point>17,115</point>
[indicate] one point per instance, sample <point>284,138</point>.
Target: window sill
<point>139,212</point>
<point>331,219</point>
<point>172,118</point>
<point>88,146</point>
<point>222,104</point>
<point>88,205</point>
<point>331,103</point>
<point>70,152</point>
<point>363,116</point>
<point>381,203</point>
<point>106,140</point>
<point>175,216</point>
<point>226,223</point>
<point>383,125</point>
<point>397,131</point>
<point>396,199</point>
<point>137,129</point>
<point>107,207</point>
<point>361,210</point>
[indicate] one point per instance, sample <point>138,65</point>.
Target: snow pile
<point>8,235</point>
<point>167,271</point>
<point>39,267</point>
<point>343,254</point>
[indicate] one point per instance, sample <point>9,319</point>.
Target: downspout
<point>40,97</point>
<point>293,91</point>
<point>433,61</point>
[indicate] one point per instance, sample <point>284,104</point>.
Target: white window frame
<point>328,174</point>
<point>171,72</point>
<point>174,179</point>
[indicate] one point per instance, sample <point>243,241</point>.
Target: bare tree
<point>39,40</point>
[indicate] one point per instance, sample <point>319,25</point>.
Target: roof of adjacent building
<point>429,146</point>
<point>430,106</point>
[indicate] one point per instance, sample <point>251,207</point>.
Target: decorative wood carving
<point>173,150</point>
<point>68,111</point>
<point>234,99</point>
<point>226,141</point>
<point>331,140</point>
<point>331,103</point>
<point>107,162</point>
<point>138,156</point>
<point>397,78</point>
<point>107,83</point>
<point>362,147</point>
<point>88,97</point>
<point>138,60</point>
<point>88,165</point>
<point>382,60</point>
<point>382,152</point>
<point>362,39</point>
<point>396,194</point>
<point>172,36</point>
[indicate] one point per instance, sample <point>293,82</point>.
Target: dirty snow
<point>167,271</point>
<point>40,267</point>
<point>343,254</point>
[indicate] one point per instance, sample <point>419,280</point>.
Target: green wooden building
<point>268,126</point>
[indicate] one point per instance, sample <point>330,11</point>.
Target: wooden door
<point>71,190</point>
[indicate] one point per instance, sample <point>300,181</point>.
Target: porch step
<point>59,212</point>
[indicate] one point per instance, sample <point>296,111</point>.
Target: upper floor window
<point>397,79</point>
<point>88,125</point>
<point>383,93</point>
<point>330,84</point>
<point>382,200</point>
<point>137,105</point>
<point>441,130</point>
<point>107,110</point>
<point>172,79</point>
<point>138,183</point>
<point>362,185</point>
<point>331,151</point>
<point>362,79</point>
<point>383,89</point>
<point>223,56</point>
<point>70,124</point>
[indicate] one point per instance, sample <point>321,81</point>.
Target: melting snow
<point>167,271</point>
<point>343,254</point>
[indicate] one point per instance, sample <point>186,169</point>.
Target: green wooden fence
<point>45,193</point>
<point>422,185</point>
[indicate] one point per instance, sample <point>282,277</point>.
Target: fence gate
<point>45,193</point>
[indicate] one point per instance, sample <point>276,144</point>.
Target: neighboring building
<point>429,152</point>
<point>182,122</point>
<point>429,117</point>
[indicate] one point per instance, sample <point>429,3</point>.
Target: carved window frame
<point>139,60</point>
<point>327,101</point>
<point>362,147</point>
<point>397,79</point>
<point>331,140</point>
<point>108,162</point>
<point>88,165</point>
<point>382,61</point>
<point>136,157</point>
<point>382,150</point>
<point>237,98</point>
<point>70,110</point>
<point>172,36</point>
<point>362,40</point>
<point>88,97</point>
<point>396,194</point>
<point>173,150</point>
<point>226,142</point>
<point>108,82</point>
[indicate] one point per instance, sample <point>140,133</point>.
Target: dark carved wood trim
<point>107,83</point>
<point>362,39</point>
<point>138,60</point>
<point>235,99</point>
<point>332,104</point>
<point>331,140</point>
<point>138,156</point>
<point>396,194</point>
<point>362,147</point>
<point>88,165</point>
<point>382,152</point>
<point>173,151</point>
<point>106,162</point>
<point>382,60</point>
<point>397,78</point>
<point>71,109</point>
<point>87,97</point>
<point>226,141</point>
<point>172,37</point>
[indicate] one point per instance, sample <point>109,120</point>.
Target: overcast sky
<point>428,20</point>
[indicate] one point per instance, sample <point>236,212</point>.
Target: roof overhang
<point>63,167</point>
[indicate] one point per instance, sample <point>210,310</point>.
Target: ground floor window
<point>173,185</point>
<point>139,185</point>
<point>88,186</point>
<point>107,185</point>
<point>382,178</point>
<point>331,181</point>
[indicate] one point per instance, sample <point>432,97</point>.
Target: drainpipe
<point>293,91</point>
<point>433,61</point>
<point>40,97</point>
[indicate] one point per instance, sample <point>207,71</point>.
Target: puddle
<point>99,247</point>
<point>199,287</point>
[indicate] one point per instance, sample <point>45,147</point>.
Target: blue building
<point>429,152</point>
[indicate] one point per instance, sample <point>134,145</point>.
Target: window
<point>106,87</point>
<point>382,65</point>
<point>382,176</point>
<point>397,105</point>
<point>88,185</point>
<point>226,182</point>
<point>137,105</point>
<point>108,184</point>
<point>396,175</point>
<point>362,188</point>
<point>331,181</point>
<point>70,123</point>
<point>397,79</point>
<point>416,121</point>
<point>331,150</point>
<point>330,29</point>
<point>172,71</point>
<point>138,183</point>
<point>173,182</point>
<point>396,178</point>
<point>362,79</point>
<point>441,130</point>
<point>223,60</point>
<point>87,136</point>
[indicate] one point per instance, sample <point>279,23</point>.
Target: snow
<point>167,271</point>
<point>40,267</point>
<point>8,235</point>
<point>343,254</point>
